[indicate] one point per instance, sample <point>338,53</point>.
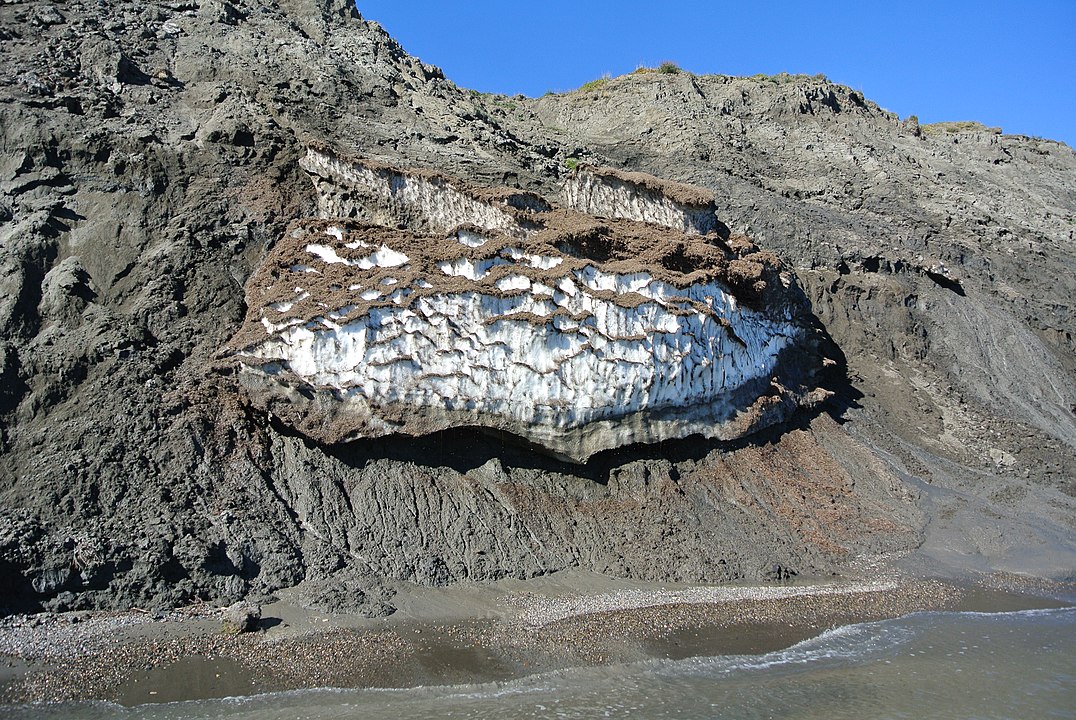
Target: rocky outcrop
<point>575,333</point>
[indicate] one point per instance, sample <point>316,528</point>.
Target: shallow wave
<point>1038,612</point>
<point>843,644</point>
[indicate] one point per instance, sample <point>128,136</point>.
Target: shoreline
<point>448,636</point>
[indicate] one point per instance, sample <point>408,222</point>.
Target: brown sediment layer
<point>626,248</point>
<point>757,278</point>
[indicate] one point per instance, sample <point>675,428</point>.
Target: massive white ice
<point>576,334</point>
<point>562,360</point>
<point>635,196</point>
<point>424,200</point>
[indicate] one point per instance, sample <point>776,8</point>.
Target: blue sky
<point>1007,64</point>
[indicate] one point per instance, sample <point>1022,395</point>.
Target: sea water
<point>925,665</point>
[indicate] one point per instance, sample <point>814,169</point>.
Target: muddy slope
<point>940,259</point>
<point>149,159</point>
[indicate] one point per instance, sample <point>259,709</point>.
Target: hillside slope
<point>149,160</point>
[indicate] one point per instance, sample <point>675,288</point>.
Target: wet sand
<point>450,636</point>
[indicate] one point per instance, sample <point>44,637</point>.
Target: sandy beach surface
<point>455,635</point>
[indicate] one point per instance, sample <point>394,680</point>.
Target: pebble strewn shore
<point>537,611</point>
<point>134,658</point>
<point>48,636</point>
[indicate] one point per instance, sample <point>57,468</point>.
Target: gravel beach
<point>133,658</point>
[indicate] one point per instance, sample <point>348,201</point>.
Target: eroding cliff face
<point>146,173</point>
<point>575,333</point>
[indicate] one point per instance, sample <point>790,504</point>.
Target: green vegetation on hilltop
<point>597,84</point>
<point>666,68</point>
<point>783,78</point>
<point>671,68</point>
<point>959,126</point>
